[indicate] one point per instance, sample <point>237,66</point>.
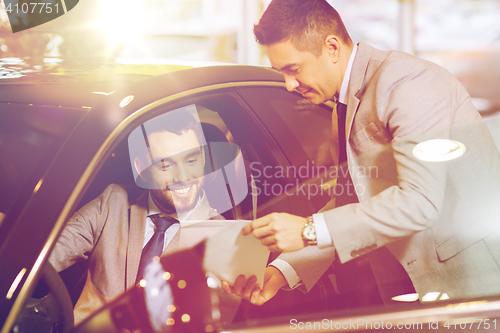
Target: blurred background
<point>461,35</point>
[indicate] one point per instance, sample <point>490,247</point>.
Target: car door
<point>79,169</point>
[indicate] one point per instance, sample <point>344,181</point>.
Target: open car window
<point>237,148</point>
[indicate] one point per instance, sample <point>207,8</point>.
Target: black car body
<point>78,151</point>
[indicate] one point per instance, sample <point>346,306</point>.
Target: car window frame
<point>113,134</point>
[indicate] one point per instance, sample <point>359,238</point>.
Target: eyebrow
<point>284,67</point>
<point>194,152</point>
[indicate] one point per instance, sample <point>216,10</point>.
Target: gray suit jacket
<point>439,219</point>
<point>109,231</point>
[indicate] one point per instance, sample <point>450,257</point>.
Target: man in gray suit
<point>111,231</point>
<point>436,215</point>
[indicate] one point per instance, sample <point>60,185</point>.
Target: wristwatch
<point>309,232</point>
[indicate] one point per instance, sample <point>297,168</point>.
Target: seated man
<point>123,229</point>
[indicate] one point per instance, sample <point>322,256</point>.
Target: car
<point>63,142</point>
<point>59,151</point>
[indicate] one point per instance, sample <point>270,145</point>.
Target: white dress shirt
<point>171,231</point>
<point>323,236</point>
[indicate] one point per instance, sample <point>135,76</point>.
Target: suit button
<point>354,254</point>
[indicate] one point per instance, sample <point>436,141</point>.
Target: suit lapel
<point>137,227</point>
<point>173,245</point>
<point>355,81</point>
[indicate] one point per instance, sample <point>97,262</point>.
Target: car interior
<point>221,116</point>
<point>219,113</point>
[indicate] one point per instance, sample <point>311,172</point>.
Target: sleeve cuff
<point>323,236</point>
<point>288,272</point>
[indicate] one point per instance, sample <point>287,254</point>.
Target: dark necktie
<point>154,247</point>
<point>346,192</point>
<point>341,114</point>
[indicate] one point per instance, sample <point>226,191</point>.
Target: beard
<point>178,198</point>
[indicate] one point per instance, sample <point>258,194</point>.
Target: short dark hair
<point>178,121</point>
<point>305,22</point>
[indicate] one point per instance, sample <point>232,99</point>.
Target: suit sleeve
<point>309,264</point>
<point>82,231</point>
<point>416,102</point>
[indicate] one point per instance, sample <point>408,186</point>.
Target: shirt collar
<point>347,76</point>
<point>153,208</point>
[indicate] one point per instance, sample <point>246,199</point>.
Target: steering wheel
<point>59,292</point>
<point>53,312</point>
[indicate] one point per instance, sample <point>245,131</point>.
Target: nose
<point>291,83</point>
<point>182,174</point>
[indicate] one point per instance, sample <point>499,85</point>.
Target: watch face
<point>309,232</point>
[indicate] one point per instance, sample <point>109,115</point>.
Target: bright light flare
<point>406,298</point>
<point>126,101</point>
<point>435,296</point>
<point>118,19</point>
<point>15,283</point>
<point>38,185</point>
<point>438,150</point>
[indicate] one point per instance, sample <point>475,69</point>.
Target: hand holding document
<point>228,254</point>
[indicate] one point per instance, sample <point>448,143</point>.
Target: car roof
<point>75,85</point>
<point>160,86</point>
<point>72,84</point>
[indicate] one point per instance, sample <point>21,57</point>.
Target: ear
<point>332,46</point>
<point>139,167</point>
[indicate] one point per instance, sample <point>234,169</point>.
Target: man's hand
<point>249,290</point>
<point>280,232</point>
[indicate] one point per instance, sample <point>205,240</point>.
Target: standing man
<point>438,219</point>
<point>124,228</point>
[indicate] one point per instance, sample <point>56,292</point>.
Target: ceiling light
<point>431,296</point>
<point>126,101</point>
<point>438,150</point>
<point>406,298</point>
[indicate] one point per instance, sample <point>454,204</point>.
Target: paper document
<point>228,254</point>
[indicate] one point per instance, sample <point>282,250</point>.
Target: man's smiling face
<point>178,170</point>
<point>317,78</point>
